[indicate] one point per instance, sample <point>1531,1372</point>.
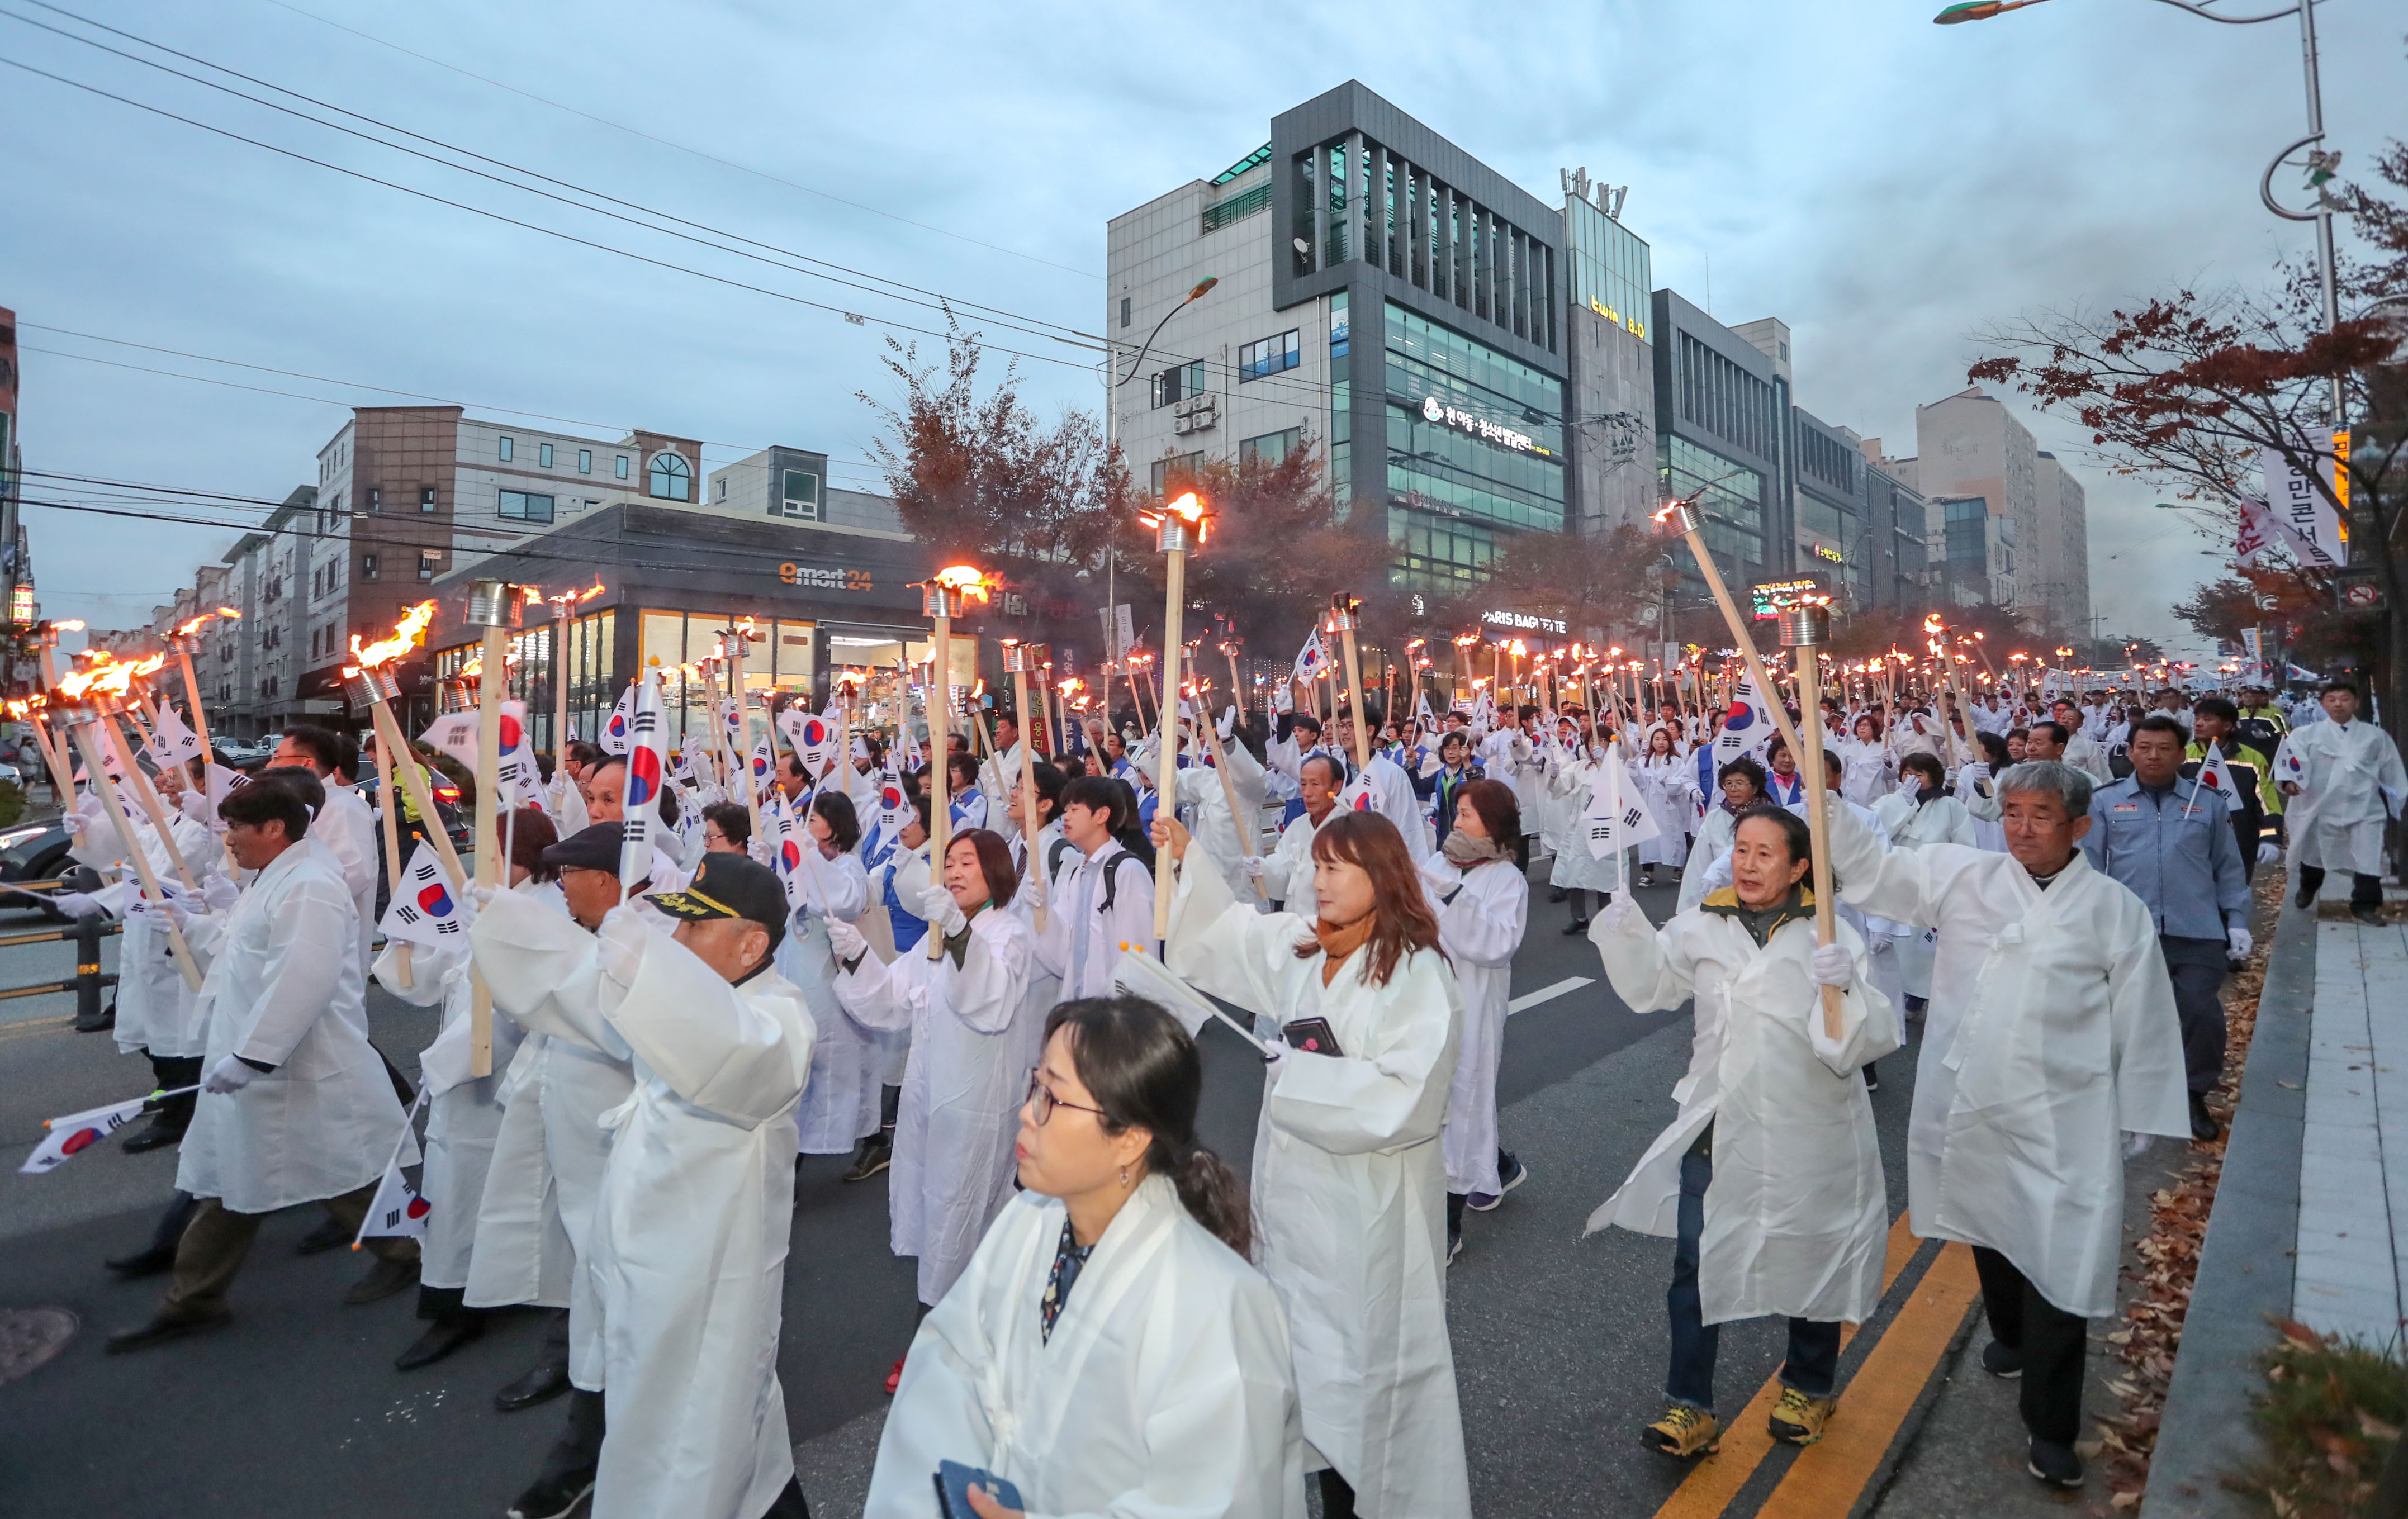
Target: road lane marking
<point>1548,994</point>
<point>1716,1479</point>
<point>1829,1478</point>
<point>34,1026</point>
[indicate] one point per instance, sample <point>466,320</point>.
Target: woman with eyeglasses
<point>1170,1391</point>
<point>953,1127</point>
<point>726,828</point>
<point>1350,1180</point>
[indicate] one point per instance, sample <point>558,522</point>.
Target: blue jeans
<point>1814,1363</point>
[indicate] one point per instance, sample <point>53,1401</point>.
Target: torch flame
<point>407,634</point>
<point>967,580</point>
<point>73,624</point>
<point>109,677</point>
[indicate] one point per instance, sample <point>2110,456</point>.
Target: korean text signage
<point>2298,504</point>
<point>1771,598</point>
<point>1434,409</point>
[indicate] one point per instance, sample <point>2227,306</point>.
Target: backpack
<point>1111,871</point>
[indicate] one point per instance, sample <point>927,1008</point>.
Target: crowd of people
<point>2051,892</point>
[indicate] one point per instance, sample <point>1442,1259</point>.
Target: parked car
<point>34,851</point>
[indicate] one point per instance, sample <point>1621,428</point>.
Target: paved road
<point>1560,1341</point>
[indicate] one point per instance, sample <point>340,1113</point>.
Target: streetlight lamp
<point>2321,166</point>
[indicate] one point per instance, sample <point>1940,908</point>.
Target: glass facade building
<point>1612,272</point>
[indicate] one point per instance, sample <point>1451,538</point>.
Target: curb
<point>2246,1265</point>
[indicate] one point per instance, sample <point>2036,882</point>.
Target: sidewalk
<point>2311,1218</point>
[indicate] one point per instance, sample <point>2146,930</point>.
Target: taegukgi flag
<point>619,726</point>
<point>1747,728</point>
<point>424,910</point>
<point>646,772</point>
<point>398,1211</point>
<point>1616,819</point>
<point>73,1134</point>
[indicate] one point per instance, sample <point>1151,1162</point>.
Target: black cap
<point>729,886</point>
<point>594,848</point>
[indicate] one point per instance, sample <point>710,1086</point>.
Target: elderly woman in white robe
<point>1769,1177</point>
<point>1482,902</point>
<point>1740,785</point>
<point>1172,1390</point>
<point>2052,1036</point>
<point>1349,1175</point>
<point>966,1078</point>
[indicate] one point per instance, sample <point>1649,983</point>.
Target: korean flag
<point>812,737</point>
<point>397,1211</point>
<point>1616,819</point>
<point>424,910</point>
<point>619,728</point>
<point>647,771</point>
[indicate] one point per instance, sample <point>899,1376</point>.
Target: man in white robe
<point>296,1107</point>
<point>2343,776</point>
<point>2052,1036</point>
<point>1288,873</point>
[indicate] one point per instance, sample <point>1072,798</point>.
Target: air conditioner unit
<point>1182,423</point>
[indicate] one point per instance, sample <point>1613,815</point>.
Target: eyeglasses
<point>1043,1101</point>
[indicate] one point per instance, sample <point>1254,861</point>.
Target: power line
<point>620,126</point>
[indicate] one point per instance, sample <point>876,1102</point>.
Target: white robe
<point>1349,1193</point>
<point>541,967</point>
<point>1796,1218</point>
<point>1715,836</point>
<point>1480,930</point>
<point>1671,797</point>
<point>2344,773</point>
<point>1392,793</point>
<point>349,828</point>
<point>2052,1032</point>
<point>689,1247</point>
<point>1287,875</point>
<point>283,988</point>
<point>1082,943</point>
<point>1165,1388</point>
<point>962,1089</point>
<point>157,1010</point>
<point>840,1106</point>
<point>1867,770</point>
<point>1574,786</point>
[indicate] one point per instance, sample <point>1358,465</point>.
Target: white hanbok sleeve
<point>879,994</point>
<point>700,1035</point>
<point>838,888</point>
<point>1485,927</point>
<point>2145,1028</point>
<point>1867,1029</point>
<point>1391,1095</point>
<point>1224,948</point>
<point>1650,968</point>
<point>541,968</point>
<point>306,942</point>
<point>429,966</point>
<point>1906,885</point>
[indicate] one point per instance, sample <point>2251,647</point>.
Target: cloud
<point>1886,186</point>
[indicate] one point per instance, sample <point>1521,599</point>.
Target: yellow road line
<point>1827,1479</point>
<point>1716,1479</point>
<point>34,1026</point>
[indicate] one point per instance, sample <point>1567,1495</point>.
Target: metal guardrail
<point>88,983</point>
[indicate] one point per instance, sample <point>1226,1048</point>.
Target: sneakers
<point>1646,875</point>
<point>1798,1419</point>
<point>2002,1361</point>
<point>2203,1126</point>
<point>2054,1463</point>
<point>1872,1077</point>
<point>1513,1174</point>
<point>1684,1432</point>
<point>877,1152</point>
<point>1453,1244</point>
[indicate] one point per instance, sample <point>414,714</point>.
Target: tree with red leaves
<point>2189,388</point>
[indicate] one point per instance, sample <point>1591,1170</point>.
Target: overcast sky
<point>1884,185</point>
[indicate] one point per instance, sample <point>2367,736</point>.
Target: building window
<point>543,454</point>
<point>1125,310</point>
<point>669,479</point>
<point>368,566</point>
<point>428,563</point>
<point>426,498</point>
<point>1179,383</point>
<point>1179,470</point>
<point>719,488</point>
<point>505,449</point>
<point>798,495</point>
<point>1268,357</point>
<point>525,507</point>
<point>623,466</point>
<point>1270,448</point>
<point>376,498</point>
<point>585,461</point>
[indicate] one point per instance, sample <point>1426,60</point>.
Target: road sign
<point>2362,596</point>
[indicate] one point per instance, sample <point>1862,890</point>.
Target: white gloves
<point>230,1074</point>
<point>1833,965</point>
<point>219,892</point>
<point>74,904</point>
<point>846,940</point>
<point>482,895</point>
<point>2269,853</point>
<point>944,915</point>
<point>2240,942</point>
<point>1614,915</point>
<point>174,911</point>
<point>1252,866</point>
<point>619,945</point>
<point>2136,1145</point>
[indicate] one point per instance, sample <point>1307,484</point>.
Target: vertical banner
<point>2298,504</point>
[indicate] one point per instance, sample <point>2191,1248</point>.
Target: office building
<point>1721,415</point>
<point>1387,299</point>
<point>1968,445</point>
<point>2061,558</point>
<point>1897,534</point>
<point>1610,425</point>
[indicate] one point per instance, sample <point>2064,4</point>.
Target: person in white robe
<point>159,1014</point>
<point>606,801</point>
<point>464,1112</point>
<point>2051,1038</point>
<point>1101,896</point>
<point>1288,873</point>
<point>2345,780</point>
<point>1173,1388</point>
<point>1916,814</point>
<point>345,824</point>
<point>1740,784</point>
<point>1579,873</point>
<point>1350,1178</point>
<point>688,1249</point>
<point>952,1139</point>
<point>1483,904</point>
<point>296,1105</point>
<point>843,1113</point>
<point>1670,798</point>
<point>1769,1176</point>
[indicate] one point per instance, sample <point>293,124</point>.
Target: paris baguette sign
<point>1434,409</point>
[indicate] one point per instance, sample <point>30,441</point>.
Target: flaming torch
<point>1692,523</point>
<point>1019,659</point>
<point>940,601</point>
<point>564,607</point>
<point>87,691</point>
<point>1179,528</point>
<point>1342,622</point>
<point>184,638</point>
<point>1805,628</point>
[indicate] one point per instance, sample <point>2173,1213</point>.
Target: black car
<point>34,851</point>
